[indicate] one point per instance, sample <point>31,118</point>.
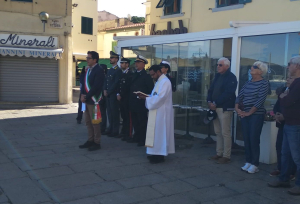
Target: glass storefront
<point>275,51</point>
<point>193,65</point>
<point>193,62</point>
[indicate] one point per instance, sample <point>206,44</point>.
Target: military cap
<point>112,54</point>
<point>123,59</point>
<point>140,58</point>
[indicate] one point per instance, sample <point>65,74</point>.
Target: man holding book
<point>160,129</point>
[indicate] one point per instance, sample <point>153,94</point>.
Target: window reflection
<point>193,65</point>
<point>275,51</point>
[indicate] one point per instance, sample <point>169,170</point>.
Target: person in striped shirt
<point>250,107</point>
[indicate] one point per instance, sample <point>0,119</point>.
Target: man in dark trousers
<point>123,97</point>
<point>143,82</point>
<point>80,112</point>
<point>91,95</point>
<point>103,104</point>
<point>110,91</point>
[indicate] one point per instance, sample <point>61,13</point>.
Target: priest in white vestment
<point>160,129</point>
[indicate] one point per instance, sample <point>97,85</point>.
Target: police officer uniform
<point>141,81</point>
<point>124,92</point>
<point>111,86</point>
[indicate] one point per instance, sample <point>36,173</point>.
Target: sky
<point>122,8</point>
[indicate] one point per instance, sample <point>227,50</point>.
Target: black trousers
<point>113,112</point>
<point>80,113</point>
<point>102,105</point>
<point>126,116</point>
<point>140,120</point>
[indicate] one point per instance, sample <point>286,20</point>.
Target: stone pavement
<point>40,162</point>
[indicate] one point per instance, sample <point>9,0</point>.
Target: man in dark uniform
<point>123,97</point>
<point>103,103</point>
<point>143,82</point>
<point>110,91</point>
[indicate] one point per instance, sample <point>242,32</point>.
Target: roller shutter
<point>28,79</point>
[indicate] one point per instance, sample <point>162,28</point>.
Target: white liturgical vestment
<point>161,101</point>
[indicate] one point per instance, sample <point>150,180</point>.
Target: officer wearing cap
<point>166,69</point>
<point>110,91</point>
<point>123,97</point>
<point>141,81</point>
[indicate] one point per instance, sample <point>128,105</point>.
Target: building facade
<point>37,55</point>
<point>203,15</point>
<point>193,55</point>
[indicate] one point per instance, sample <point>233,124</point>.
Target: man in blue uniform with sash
<point>110,91</point>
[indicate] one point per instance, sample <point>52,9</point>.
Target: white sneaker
<point>253,169</point>
<point>246,167</point>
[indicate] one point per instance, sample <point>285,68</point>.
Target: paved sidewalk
<point>40,162</point>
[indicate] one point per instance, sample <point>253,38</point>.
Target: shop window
<point>275,51</point>
<point>170,6</point>
<point>23,0</point>
<point>222,3</point>
<point>86,25</point>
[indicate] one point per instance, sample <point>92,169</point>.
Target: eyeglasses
<point>112,57</point>
<point>255,67</point>
<point>88,58</point>
<point>220,65</point>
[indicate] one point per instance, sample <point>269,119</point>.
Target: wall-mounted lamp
<point>44,18</point>
<point>74,5</point>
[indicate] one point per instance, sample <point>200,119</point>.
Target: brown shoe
<point>223,160</point>
<point>295,190</point>
<point>216,157</point>
<point>275,173</point>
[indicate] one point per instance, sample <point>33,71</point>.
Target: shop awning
<point>27,52</point>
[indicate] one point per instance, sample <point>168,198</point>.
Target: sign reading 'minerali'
<point>30,41</point>
<point>169,30</point>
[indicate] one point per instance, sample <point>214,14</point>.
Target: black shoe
<point>110,135</point>
<point>124,139</point>
<point>141,144</point>
<point>95,147</point>
<point>118,136</point>
<point>131,140</point>
<point>87,144</point>
<point>155,159</point>
<point>149,157</point>
<point>106,133</point>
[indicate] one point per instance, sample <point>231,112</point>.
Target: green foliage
<point>136,19</point>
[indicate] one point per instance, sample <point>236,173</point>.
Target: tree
<point>135,19</point>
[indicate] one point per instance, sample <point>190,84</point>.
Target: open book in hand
<point>139,92</point>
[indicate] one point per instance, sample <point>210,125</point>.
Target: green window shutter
<point>83,25</point>
<point>86,25</point>
<point>245,1</point>
<point>90,26</point>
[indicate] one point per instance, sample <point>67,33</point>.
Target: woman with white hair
<point>250,107</point>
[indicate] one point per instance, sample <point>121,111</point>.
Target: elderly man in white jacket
<point>160,129</point>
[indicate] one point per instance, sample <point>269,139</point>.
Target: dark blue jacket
<point>96,79</point>
<point>227,99</point>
